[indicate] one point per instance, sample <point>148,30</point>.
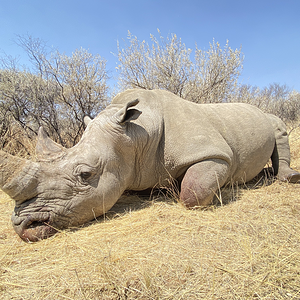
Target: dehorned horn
<point>17,177</point>
<point>46,149</point>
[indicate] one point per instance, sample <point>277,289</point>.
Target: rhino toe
<point>293,177</point>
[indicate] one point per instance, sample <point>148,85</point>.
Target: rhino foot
<point>291,176</point>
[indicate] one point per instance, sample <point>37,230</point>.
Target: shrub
<point>57,94</point>
<point>167,64</point>
<point>275,99</point>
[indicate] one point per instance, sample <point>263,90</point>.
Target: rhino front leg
<point>201,181</point>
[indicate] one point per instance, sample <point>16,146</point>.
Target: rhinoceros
<point>143,139</point>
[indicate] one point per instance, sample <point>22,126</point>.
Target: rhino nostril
<point>16,220</point>
<point>30,221</point>
<point>35,224</point>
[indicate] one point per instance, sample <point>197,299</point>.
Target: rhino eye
<point>85,175</point>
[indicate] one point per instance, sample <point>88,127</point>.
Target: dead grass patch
<point>247,249</point>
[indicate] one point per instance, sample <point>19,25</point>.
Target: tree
<point>274,99</point>
<point>215,74</point>
<point>167,64</point>
<point>57,93</point>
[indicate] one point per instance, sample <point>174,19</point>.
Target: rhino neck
<point>17,177</point>
<point>149,157</point>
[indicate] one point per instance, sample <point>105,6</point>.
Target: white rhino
<point>142,140</point>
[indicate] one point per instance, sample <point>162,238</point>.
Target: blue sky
<point>268,31</point>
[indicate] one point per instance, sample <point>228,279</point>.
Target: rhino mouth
<point>33,228</point>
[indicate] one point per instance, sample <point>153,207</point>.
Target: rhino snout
<point>33,227</point>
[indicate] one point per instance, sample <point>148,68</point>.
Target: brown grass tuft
<point>247,249</point>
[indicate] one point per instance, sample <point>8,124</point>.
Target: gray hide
<point>144,139</point>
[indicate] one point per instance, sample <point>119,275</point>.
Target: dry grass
<point>248,249</point>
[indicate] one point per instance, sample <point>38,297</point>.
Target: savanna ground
<point>156,249</point>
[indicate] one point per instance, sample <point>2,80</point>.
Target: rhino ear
<point>86,120</point>
<point>46,149</point>
<point>126,114</point>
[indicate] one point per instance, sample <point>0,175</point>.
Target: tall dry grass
<point>247,249</point>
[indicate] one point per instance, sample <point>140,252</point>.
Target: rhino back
<point>249,134</point>
<point>239,134</point>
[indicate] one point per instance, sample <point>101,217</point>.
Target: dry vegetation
<point>148,249</point>
<point>247,249</point>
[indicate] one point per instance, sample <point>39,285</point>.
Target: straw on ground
<point>247,249</point>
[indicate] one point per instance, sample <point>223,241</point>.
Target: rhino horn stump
<point>17,177</point>
<point>46,149</point>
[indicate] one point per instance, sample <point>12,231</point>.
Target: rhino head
<point>69,187</point>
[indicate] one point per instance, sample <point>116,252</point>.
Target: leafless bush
<point>60,90</point>
<point>57,94</point>
<point>275,99</point>
<point>167,64</point>
<point>212,76</point>
<point>215,74</point>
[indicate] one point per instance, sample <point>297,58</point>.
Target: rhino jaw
<point>33,228</point>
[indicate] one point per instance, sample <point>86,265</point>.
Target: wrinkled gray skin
<point>142,140</point>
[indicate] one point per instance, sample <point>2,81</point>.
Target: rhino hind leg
<point>281,154</point>
<point>202,181</point>
<point>281,165</point>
